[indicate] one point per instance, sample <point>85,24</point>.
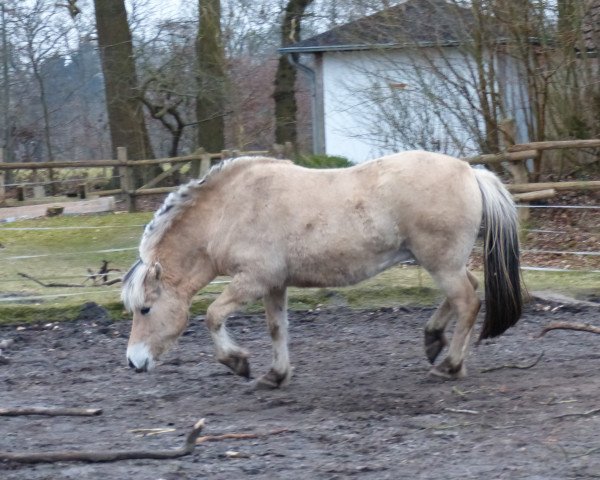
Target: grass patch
<point>61,249</point>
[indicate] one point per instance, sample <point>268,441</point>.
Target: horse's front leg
<point>238,293</point>
<point>276,313</point>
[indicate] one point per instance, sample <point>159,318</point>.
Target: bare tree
<point>210,109</point>
<point>285,78</point>
<point>126,120</point>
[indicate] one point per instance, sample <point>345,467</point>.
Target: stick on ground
<point>238,436</point>
<point>107,456</point>
<point>51,411</point>
<point>519,367</point>
<point>48,285</point>
<point>582,327</point>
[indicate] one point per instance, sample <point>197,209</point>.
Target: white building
<point>408,77</point>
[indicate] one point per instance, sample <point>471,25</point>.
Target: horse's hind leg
<point>435,339</point>
<point>462,298</point>
<point>234,296</point>
<point>276,313</point>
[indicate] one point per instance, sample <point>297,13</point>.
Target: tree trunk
<point>210,106</point>
<point>285,78</point>
<point>125,113</point>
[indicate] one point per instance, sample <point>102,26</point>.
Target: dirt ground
<point>360,404</point>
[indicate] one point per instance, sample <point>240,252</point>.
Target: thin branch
<point>51,411</point>
<point>589,413</point>
<point>583,327</point>
<point>520,367</point>
<point>238,436</point>
<point>51,284</point>
<point>462,410</point>
<point>107,456</point>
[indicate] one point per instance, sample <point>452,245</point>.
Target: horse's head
<point>159,314</point>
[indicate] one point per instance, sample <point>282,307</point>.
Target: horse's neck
<point>182,253</point>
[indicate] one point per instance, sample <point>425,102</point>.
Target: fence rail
<point>200,161</point>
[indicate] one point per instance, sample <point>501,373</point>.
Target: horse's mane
<point>182,198</point>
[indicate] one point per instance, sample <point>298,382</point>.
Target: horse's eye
<point>145,310</point>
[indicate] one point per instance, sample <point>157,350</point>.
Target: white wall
<point>379,102</point>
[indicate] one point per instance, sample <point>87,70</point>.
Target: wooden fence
<point>200,161</point>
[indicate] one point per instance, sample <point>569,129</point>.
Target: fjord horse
<point>270,224</point>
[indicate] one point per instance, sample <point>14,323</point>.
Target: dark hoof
<point>448,371</point>
<point>272,380</point>
<point>435,341</point>
<point>238,365</point>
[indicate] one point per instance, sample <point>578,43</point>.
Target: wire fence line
<point>69,254</point>
<point>95,291</point>
<point>62,181</point>
<point>563,207</point>
<point>86,290</point>
<point>83,227</point>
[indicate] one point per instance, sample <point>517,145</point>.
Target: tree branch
<point>107,456</point>
<point>52,284</point>
<point>238,436</point>
<point>520,367</point>
<point>583,327</point>
<point>52,411</point>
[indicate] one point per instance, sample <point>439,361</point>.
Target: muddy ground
<point>360,404</point>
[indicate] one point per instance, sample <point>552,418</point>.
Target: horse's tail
<point>503,295</point>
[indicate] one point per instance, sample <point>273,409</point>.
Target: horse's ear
<point>154,274</point>
<point>157,271</point>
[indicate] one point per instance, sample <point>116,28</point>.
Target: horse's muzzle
<point>143,368</point>
<point>139,358</point>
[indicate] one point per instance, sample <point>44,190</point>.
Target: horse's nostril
<point>143,368</point>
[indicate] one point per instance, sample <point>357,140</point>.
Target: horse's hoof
<point>435,341</point>
<point>272,380</point>
<point>238,364</point>
<point>448,371</point>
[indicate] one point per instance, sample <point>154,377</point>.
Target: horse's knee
<point>435,341</point>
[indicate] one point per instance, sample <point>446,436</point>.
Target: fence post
<point>205,164</point>
<point>196,165</point>
<point>126,178</point>
<point>2,187</point>
<point>517,169</point>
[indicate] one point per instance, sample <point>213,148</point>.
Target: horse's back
<point>339,226</point>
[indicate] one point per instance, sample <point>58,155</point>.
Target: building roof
<point>412,22</point>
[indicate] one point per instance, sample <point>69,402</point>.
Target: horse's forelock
<point>133,292</point>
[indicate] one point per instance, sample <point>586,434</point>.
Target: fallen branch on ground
<point>462,410</point>
<point>51,284</point>
<point>146,432</point>
<point>99,279</point>
<point>520,367</point>
<point>238,436</point>
<point>101,276</point>
<point>581,414</point>
<point>583,327</point>
<point>51,411</point>
<point>107,456</point>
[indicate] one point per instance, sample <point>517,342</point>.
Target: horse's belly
<point>339,269</point>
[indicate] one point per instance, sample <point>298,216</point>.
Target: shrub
<point>322,161</point>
